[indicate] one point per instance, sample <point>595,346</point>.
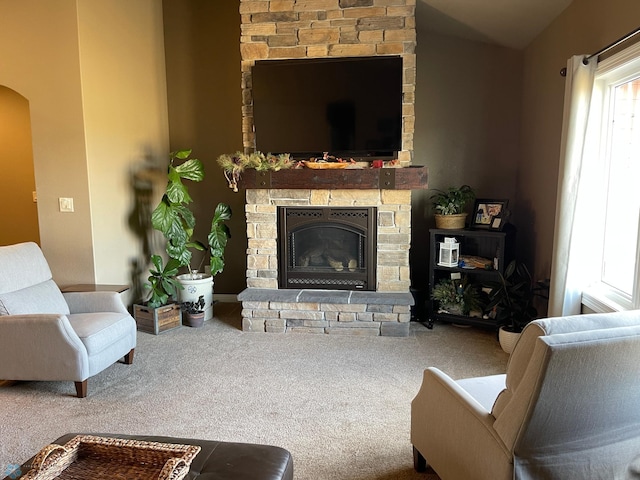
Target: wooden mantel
<point>407,178</point>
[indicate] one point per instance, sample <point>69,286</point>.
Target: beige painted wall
<point>204,92</point>
<point>125,119</point>
<point>467,126</point>
<point>39,51</point>
<point>583,28</point>
<point>92,123</point>
<point>19,214</point>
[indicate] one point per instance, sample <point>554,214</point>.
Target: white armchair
<point>45,335</point>
<point>567,408</point>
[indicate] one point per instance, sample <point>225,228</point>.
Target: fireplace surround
<point>384,311</point>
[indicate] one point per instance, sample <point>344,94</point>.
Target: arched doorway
<point>18,207</point>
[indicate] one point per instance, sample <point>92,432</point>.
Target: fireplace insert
<point>332,248</point>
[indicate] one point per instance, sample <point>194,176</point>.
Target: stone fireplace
<point>290,29</point>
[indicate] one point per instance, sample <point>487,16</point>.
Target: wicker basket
<point>89,457</point>
<point>450,222</point>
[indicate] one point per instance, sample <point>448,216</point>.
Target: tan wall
<point>583,28</point>
<point>39,51</point>
<point>92,122</point>
<point>19,214</point>
<point>125,119</point>
<point>204,97</point>
<point>468,111</point>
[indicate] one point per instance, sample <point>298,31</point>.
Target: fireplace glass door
<point>327,248</point>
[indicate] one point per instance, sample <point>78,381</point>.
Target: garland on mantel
<point>233,165</point>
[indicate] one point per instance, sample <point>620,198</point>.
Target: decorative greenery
<point>234,165</point>
<point>512,297</point>
<point>193,307</point>
<point>173,218</point>
<point>162,281</point>
<point>456,296</point>
<point>453,200</point>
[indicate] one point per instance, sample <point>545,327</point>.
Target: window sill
<point>599,302</point>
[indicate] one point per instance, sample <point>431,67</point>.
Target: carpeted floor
<point>339,404</point>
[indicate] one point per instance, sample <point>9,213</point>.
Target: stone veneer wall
<point>288,29</point>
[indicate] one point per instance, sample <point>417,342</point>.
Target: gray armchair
<point>567,408</point>
<point>45,335</point>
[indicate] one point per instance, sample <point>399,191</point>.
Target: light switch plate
<point>66,204</point>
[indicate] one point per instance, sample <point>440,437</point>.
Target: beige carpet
<point>339,404</point>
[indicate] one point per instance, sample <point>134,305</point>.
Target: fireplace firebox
<point>331,248</point>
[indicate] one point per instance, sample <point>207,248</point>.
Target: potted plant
<point>160,314</point>
<point>511,303</point>
<point>456,297</point>
<point>193,312</point>
<point>173,218</point>
<point>450,204</point>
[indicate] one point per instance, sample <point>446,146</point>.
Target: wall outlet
<point>66,204</point>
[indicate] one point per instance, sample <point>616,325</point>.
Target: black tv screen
<point>348,107</point>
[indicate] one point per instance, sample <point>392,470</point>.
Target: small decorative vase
<point>193,319</point>
<point>451,222</point>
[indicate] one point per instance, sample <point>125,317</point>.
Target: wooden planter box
<point>157,320</point>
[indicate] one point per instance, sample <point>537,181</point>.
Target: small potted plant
<point>511,301</point>
<point>160,313</point>
<point>456,297</point>
<point>193,312</point>
<point>450,204</point>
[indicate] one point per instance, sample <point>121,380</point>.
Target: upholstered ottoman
<point>217,460</point>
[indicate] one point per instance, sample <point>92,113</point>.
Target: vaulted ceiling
<point>510,23</point>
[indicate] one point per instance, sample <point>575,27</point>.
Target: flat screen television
<point>348,107</point>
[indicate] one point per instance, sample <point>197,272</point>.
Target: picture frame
<point>490,214</point>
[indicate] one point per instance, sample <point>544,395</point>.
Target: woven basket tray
<point>90,457</point>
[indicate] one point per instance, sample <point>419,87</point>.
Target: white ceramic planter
<point>507,339</point>
<point>194,286</point>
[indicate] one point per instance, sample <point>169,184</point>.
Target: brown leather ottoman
<point>217,460</point>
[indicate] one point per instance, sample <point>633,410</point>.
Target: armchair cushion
<point>97,330</point>
<point>43,297</point>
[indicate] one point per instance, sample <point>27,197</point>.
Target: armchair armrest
<point>95,302</point>
<point>41,347</point>
<point>455,433</point>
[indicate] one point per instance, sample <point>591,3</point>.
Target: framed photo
<point>490,214</point>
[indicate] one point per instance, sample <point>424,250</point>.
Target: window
<point>616,139</point>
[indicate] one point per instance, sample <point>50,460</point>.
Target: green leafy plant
<point>173,218</point>
<point>162,281</point>
<point>453,200</point>
<point>456,296</point>
<point>512,297</point>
